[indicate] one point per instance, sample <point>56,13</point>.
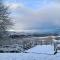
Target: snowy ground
<point>37,53</point>
<point>42,49</point>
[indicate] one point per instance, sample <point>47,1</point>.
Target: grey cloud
<point>46,17</point>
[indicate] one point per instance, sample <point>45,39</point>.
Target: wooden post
<point>55,48</point>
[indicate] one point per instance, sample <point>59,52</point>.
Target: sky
<point>34,14</point>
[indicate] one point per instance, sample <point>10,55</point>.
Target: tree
<point>5,21</point>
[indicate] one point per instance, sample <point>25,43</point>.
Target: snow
<point>46,49</point>
<point>39,55</point>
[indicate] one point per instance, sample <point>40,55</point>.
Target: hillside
<point>44,52</point>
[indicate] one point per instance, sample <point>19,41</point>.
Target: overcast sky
<point>35,14</point>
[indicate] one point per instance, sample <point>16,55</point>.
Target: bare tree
<point>5,21</point>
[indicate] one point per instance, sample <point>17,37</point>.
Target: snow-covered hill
<point>44,52</point>
<point>42,49</point>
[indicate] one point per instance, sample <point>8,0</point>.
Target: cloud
<point>14,6</point>
<point>45,17</point>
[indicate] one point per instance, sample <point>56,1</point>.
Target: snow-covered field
<point>36,53</point>
<point>42,49</point>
